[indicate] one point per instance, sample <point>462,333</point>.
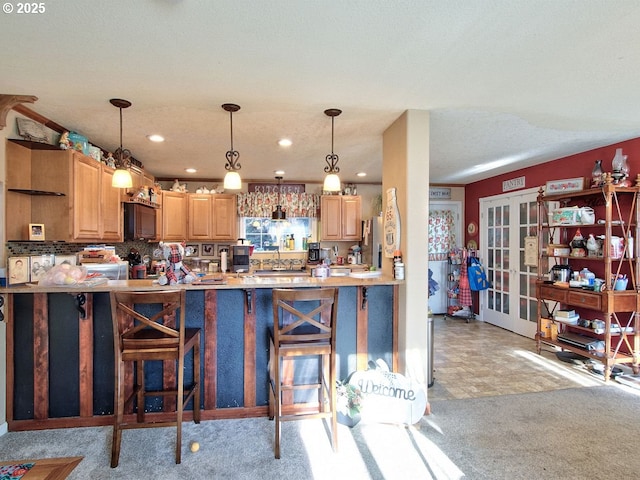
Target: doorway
<point>444,234</point>
<point>505,222</point>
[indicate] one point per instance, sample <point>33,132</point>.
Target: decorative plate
<point>472,245</point>
<point>472,228</point>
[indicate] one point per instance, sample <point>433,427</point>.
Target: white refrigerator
<point>372,242</point>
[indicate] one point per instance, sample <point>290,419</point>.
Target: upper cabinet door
<point>351,218</point>
<point>331,216</point>
<point>200,216</point>
<point>112,226</point>
<point>86,198</point>
<point>225,217</point>
<point>174,216</point>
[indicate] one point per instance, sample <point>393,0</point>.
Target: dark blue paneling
<point>23,356</point>
<point>380,340</point>
<point>230,337</point>
<point>346,333</point>
<point>64,355</point>
<point>264,319</point>
<point>103,368</point>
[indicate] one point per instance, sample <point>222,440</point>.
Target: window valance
<point>259,204</point>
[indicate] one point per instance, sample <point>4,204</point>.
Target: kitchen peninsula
<point>60,345</point>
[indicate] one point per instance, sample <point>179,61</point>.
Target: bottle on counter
<point>292,243</point>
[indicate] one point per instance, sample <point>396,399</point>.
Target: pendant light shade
<point>232,180</point>
<point>279,214</point>
<point>121,176</point>
<point>332,181</point>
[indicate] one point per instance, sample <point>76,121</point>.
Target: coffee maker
<point>240,259</point>
<point>313,257</point>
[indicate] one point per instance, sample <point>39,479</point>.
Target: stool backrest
<point>305,315</point>
<point>127,321</point>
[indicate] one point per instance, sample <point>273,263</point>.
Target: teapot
<point>587,216</point>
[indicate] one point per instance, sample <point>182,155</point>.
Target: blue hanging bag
<point>477,276</point>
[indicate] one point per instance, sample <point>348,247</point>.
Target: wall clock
<point>472,228</point>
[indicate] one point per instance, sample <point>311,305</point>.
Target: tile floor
<point>477,359</point>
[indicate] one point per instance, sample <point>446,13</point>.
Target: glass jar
<point>596,174</point>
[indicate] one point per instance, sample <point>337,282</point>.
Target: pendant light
<point>232,180</point>
<point>332,180</point>
<point>279,214</point>
<point>121,176</point>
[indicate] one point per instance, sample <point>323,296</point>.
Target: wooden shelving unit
<point>618,209</point>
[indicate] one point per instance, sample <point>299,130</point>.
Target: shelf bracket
<point>81,299</point>
<point>7,102</point>
<point>249,299</point>
<point>364,298</point>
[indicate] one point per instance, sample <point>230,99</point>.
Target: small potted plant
<point>349,403</point>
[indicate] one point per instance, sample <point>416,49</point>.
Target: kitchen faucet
<point>278,263</point>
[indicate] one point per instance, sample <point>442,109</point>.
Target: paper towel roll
<point>223,261</point>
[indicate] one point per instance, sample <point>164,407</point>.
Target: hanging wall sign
<point>275,188</point>
<point>391,224</point>
<point>439,193</point>
<point>513,184</point>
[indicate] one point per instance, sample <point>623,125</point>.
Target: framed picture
<point>70,259</point>
<point>191,250</point>
<point>36,231</point>
<point>40,265</point>
<point>563,186</point>
<point>222,248</point>
<point>208,250</point>
<point>18,270</point>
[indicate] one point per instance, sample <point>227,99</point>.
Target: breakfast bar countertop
<point>230,281</point>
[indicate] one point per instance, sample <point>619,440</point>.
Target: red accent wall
<point>579,165</point>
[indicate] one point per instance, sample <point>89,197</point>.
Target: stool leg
<point>333,401</point>
<point>271,381</point>
<point>278,403</point>
<point>118,415</point>
<point>196,379</point>
<point>140,385</point>
<point>180,406</point>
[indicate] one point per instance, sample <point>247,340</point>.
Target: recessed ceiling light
<point>155,138</point>
<point>190,170</point>
<point>279,172</point>
<point>285,142</point>
<point>361,174</point>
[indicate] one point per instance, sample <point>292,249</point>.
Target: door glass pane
<point>505,215</point>
<point>505,303</point>
<point>490,216</point>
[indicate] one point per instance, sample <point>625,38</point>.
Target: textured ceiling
<point>509,83</point>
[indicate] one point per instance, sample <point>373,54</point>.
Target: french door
<point>505,222</point>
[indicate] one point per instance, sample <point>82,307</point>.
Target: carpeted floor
<point>585,433</point>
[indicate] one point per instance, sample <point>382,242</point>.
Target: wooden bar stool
<point>137,338</point>
<point>304,326</point>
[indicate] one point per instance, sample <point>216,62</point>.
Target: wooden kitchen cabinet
<point>174,216</point>
<point>200,217</point>
<point>68,192</point>
<point>212,217</point>
<point>341,217</point>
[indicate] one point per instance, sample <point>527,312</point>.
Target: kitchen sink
<point>281,273</point>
